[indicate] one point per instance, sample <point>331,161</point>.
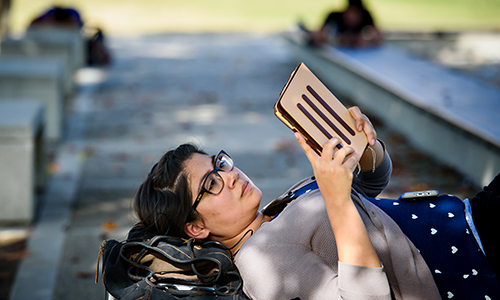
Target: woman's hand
<point>333,169</point>
<point>363,124</point>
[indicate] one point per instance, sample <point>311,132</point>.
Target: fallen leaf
<point>83,275</point>
<point>109,226</point>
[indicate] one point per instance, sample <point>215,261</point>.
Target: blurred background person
<point>353,27</point>
<point>69,18</point>
<point>59,17</point>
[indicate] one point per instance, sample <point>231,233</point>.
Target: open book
<point>307,106</point>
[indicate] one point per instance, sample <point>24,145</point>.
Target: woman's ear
<point>196,230</point>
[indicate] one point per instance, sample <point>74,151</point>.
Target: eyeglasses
<point>213,183</point>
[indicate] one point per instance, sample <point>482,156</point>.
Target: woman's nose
<point>231,177</point>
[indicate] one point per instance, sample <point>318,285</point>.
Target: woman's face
<point>231,211</point>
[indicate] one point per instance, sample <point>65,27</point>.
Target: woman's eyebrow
<point>206,174</point>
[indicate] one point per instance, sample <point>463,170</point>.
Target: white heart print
<point>433,231</point>
<point>450,215</point>
<point>450,295</point>
<point>432,205</point>
<point>454,249</point>
<point>414,216</point>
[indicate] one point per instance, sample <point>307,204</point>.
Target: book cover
<point>306,105</point>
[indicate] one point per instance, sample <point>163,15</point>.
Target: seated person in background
<point>59,17</point>
<point>353,27</point>
<point>69,18</point>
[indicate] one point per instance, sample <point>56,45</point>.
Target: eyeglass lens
<point>214,183</point>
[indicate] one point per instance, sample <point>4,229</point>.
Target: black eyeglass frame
<point>216,172</point>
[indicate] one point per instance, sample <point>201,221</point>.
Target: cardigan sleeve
<point>269,273</point>
<point>357,282</point>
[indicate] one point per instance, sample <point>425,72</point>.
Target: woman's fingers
<point>362,123</point>
<point>348,157</point>
<point>310,153</point>
<point>356,115</point>
<point>330,148</point>
<point>331,157</point>
<point>352,160</point>
<point>330,154</point>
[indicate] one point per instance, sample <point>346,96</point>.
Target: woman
<point>326,244</point>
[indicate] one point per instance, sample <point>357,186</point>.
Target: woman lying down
<point>326,237</point>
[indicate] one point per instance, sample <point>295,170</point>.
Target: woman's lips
<point>246,188</point>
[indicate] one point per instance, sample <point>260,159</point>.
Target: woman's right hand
<point>333,169</point>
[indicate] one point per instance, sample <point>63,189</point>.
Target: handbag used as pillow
<point>164,267</point>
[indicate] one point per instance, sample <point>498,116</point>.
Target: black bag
<point>163,267</point>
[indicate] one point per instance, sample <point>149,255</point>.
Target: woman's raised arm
<point>334,172</point>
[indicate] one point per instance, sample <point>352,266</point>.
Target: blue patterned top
<point>439,229</point>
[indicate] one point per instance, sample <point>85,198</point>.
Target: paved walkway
<point>216,90</point>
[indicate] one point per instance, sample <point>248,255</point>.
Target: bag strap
<point>186,255</point>
<point>181,289</point>
<point>305,189</point>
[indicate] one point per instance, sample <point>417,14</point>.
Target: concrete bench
<point>43,49</point>
<point>73,37</point>
<point>21,158</point>
<point>453,117</point>
<point>35,79</point>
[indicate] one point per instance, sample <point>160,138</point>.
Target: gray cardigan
<point>295,254</point>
